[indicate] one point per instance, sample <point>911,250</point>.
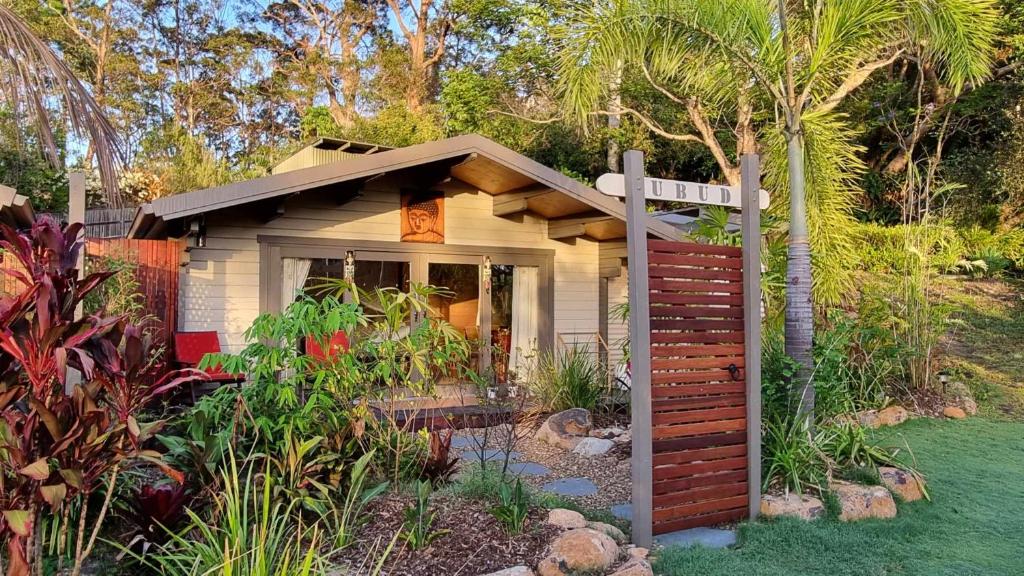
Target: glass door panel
<point>459,304</point>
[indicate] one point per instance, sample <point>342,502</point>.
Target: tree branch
<point>854,81</point>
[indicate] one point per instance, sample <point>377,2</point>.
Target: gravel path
<point>610,472</point>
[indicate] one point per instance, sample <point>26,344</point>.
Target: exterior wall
<point>220,286</point>
<point>618,331</point>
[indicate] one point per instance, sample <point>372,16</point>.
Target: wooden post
<point>640,350</point>
<point>76,213</point>
<point>750,189</point>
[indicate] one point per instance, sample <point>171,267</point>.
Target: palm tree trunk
<point>799,306</point>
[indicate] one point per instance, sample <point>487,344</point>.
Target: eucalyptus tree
<point>740,76</point>
<point>40,88</point>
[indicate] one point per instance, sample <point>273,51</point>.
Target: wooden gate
<point>698,385</point>
<point>695,335</point>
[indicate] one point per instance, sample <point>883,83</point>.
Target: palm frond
<point>958,35</point>
<point>36,79</point>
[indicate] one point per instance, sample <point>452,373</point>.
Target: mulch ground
<point>474,544</point>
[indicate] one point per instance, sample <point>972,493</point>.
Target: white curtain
<point>294,272</point>
<point>525,307</point>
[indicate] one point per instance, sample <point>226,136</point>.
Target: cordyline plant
<point>59,440</point>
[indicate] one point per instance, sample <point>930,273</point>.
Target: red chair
<point>339,342</point>
<point>189,349</point>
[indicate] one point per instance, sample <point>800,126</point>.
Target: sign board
<point>678,191</point>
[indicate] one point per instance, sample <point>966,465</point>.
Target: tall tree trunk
<point>614,120</point>
<point>799,306</point>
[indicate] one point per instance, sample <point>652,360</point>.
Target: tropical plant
<point>791,64</point>
<point>155,510</point>
<point>513,507</point>
<point>790,460</point>
<point>248,533</point>
<point>418,531</point>
<point>440,463</point>
<point>61,440</point>
<point>346,519</point>
<point>571,379</point>
<point>36,79</point>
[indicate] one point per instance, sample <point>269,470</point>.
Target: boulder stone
<point>635,567</point>
<point>513,571</point>
<point>890,416</point>
<point>580,550</point>
<point>593,447</point>
<point>637,552</point>
<point>954,413</point>
<point>858,502</point>
<point>565,429</point>
<point>903,483</point>
<point>608,529</point>
<point>550,566</point>
<point>799,505</point>
<point>566,519</point>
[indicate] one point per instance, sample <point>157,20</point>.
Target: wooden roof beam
<point>517,201</point>
<point>573,227</point>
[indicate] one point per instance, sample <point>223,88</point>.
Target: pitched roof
<point>15,209</point>
<point>516,181</point>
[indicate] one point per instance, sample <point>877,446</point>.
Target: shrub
<point>790,459</point>
<point>573,379</point>
<point>513,507</point>
<point>56,448</point>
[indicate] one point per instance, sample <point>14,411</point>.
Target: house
<point>534,258</point>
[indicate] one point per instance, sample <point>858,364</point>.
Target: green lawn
<point>974,524</point>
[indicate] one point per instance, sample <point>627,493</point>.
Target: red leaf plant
<point>60,439</point>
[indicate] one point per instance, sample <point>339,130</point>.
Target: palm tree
<point>36,80</point>
<point>772,72</point>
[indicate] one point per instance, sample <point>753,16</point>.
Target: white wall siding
<point>220,286</point>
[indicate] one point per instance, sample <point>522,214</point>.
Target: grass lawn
<point>974,524</point>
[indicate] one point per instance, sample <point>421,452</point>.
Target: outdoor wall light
<point>197,234</point>
<point>350,265</point>
<point>487,274</point>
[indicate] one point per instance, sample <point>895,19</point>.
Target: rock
<point>903,483</point>
<point>565,429</point>
<point>566,519</point>
<point>635,567</point>
<point>858,502</point>
<point>513,571</point>
<point>582,549</point>
<point>550,566</point>
<point>624,438</point>
<point>890,416</point>
<point>609,433</point>
<point>593,447</point>
<point>799,505</point>
<point>954,413</point>
<point>637,552</point>
<point>610,530</point>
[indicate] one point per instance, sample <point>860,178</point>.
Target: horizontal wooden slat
<point>694,273</point>
<point>696,312</point>
<point>694,363</point>
<point>673,471</point>
<point>676,247</point>
<point>698,402</point>
<point>680,484</point>
<point>697,351</point>
<point>696,508</point>
<point>709,415</point>
<point>696,337</point>
<point>663,390</point>
<point>697,286</point>
<point>698,442</point>
<point>704,520</point>
<point>687,456</point>
<point>696,325</point>
<point>697,299</point>
<point>701,428</point>
<point>700,495</point>
<point>675,259</point>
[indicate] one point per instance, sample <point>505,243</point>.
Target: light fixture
<point>196,234</point>
<point>943,379</point>
<point>487,274</point>
<point>350,265</point>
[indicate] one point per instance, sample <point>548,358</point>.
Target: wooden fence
<point>698,385</point>
<point>157,263</point>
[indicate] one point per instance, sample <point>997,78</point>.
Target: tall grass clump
<point>572,379</point>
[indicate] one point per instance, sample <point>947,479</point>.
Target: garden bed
<point>474,544</point>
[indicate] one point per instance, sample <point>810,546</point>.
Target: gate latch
<point>734,371</point>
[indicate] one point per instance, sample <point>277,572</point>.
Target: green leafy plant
<point>247,533</point>
<point>790,460</point>
<point>513,507</point>
<point>572,379</point>
<point>418,530</point>
<point>347,518</point>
